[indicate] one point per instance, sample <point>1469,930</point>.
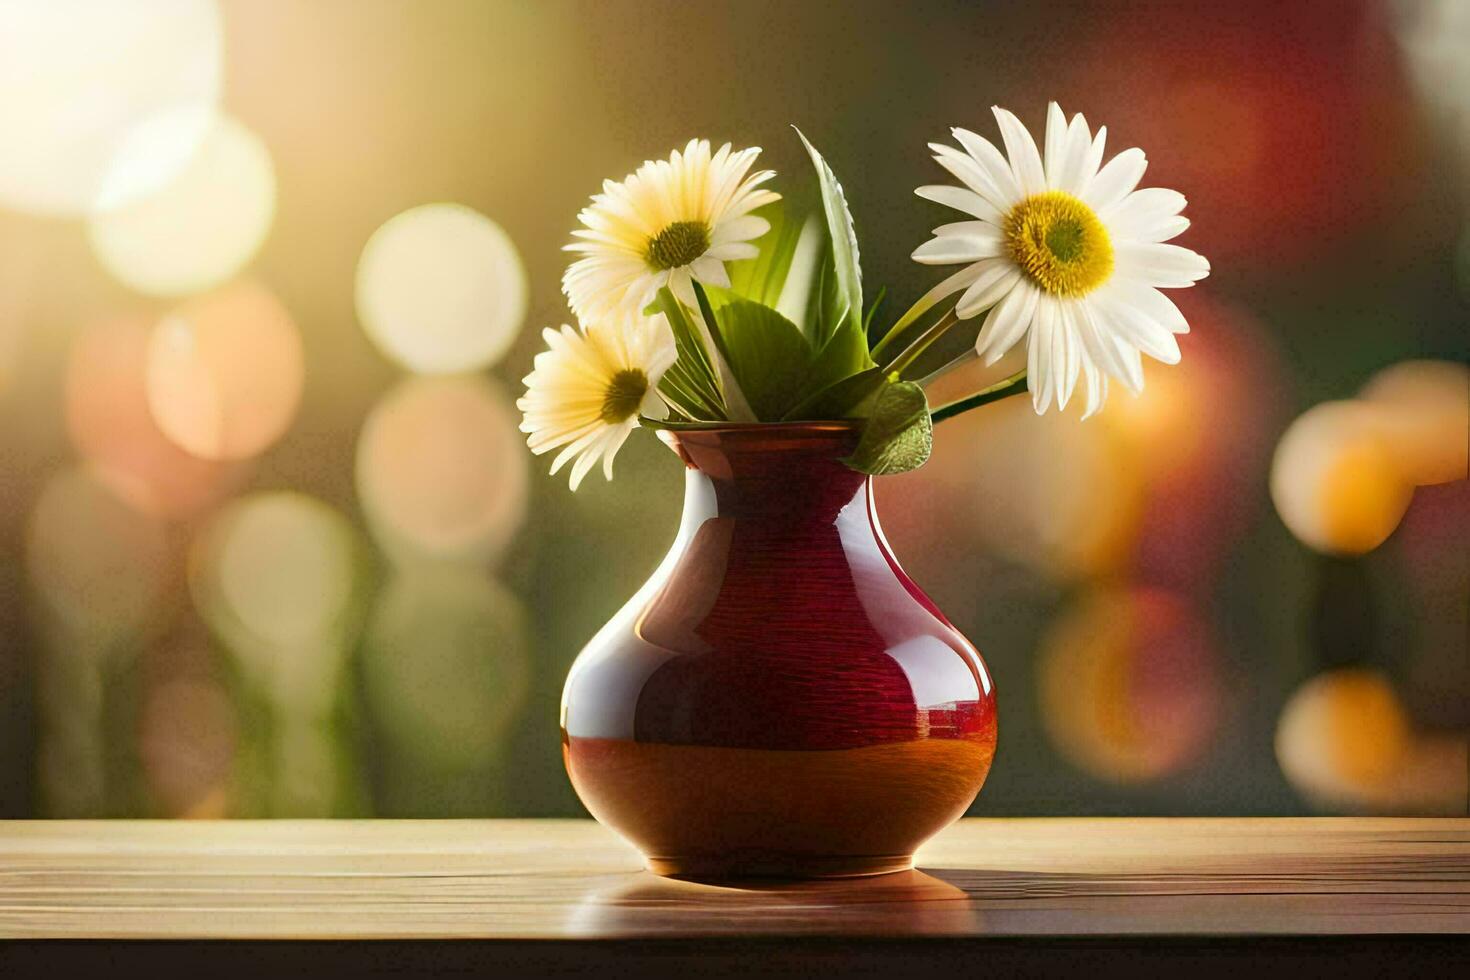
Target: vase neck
<point>778,474</point>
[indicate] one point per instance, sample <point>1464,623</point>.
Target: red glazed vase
<point>779,699</point>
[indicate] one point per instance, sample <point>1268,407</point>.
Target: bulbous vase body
<point>779,699</point>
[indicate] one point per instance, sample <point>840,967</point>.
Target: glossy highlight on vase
<point>779,699</point>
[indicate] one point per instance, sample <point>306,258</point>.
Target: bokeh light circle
<point>109,422</point>
<point>1335,480</point>
<point>446,666</point>
<point>1062,504</point>
<point>97,565</point>
<point>1342,735</point>
<point>277,568</point>
<point>225,372</point>
<point>77,77</point>
<point>1129,683</point>
<point>200,228</point>
<point>442,471</point>
<point>441,289</point>
<point>1425,406</point>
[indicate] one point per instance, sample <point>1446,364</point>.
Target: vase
<point>779,698</point>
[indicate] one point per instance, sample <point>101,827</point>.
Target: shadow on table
<point>906,902</point>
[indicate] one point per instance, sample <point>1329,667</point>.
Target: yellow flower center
<point>679,244</point>
<point>1060,243</point>
<point>624,394</point>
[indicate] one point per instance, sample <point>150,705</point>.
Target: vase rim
<point>756,429</point>
<point>830,439</point>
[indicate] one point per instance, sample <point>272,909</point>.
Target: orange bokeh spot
<point>1049,492</point>
<point>1336,481</point>
<point>1129,684</point>
<point>442,471</point>
<point>1342,734</point>
<point>1425,408</point>
<point>110,424</point>
<point>225,372</point>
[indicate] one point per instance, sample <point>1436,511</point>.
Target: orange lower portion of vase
<point>706,812</point>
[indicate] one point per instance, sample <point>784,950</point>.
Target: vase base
<point>778,866</point>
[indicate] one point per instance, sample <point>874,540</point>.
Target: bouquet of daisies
<point>701,301</point>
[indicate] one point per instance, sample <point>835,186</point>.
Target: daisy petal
<point>1115,180</point>
<point>681,284</point>
<point>713,191</point>
<point>1007,322</point>
<point>1097,387</point>
<point>731,251</point>
<point>992,164</point>
<point>961,199</point>
<point>1021,149</point>
<point>1041,359</point>
<point>742,229</point>
<point>1071,172</point>
<point>1156,201</point>
<point>1071,354</point>
<point>584,439</point>
<point>1132,364</point>
<point>1096,341</point>
<point>1148,215</point>
<point>1138,328</point>
<point>1159,264</point>
<point>1091,161</point>
<point>710,271</point>
<point>1153,303</point>
<point>1055,143</point>
<point>952,248</point>
<point>948,287</point>
<point>997,278</point>
<point>580,468</point>
<point>972,174</point>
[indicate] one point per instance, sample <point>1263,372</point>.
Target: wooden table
<point>566,896</point>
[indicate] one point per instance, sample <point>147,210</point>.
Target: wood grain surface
<point>570,879</point>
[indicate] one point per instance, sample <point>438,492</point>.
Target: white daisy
<point>1064,251</point>
<point>586,391</point>
<point>668,224</point>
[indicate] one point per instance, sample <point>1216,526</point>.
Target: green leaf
<point>939,293</point>
<point>811,244</point>
<point>899,433</point>
<point>844,245</point>
<point>691,381</point>
<point>841,399</point>
<point>762,278</point>
<point>828,304</point>
<point>767,354</point>
<point>846,353</point>
<point>675,390</point>
<point>872,310</point>
<point>819,297</point>
<point>687,340</point>
<point>720,296</point>
<point>737,406</point>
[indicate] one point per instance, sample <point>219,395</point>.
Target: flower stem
<point>921,343</point>
<point>925,303</point>
<point>960,361</point>
<point>1014,385</point>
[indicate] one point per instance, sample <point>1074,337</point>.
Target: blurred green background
<point>274,548</point>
